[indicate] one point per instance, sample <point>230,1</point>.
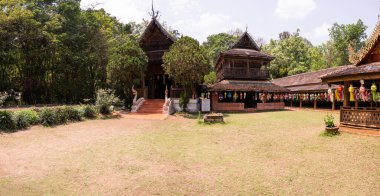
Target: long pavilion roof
<point>247,85</point>
<point>308,82</point>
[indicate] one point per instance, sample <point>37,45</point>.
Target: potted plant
<point>330,126</point>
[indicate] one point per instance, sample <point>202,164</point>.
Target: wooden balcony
<point>360,117</point>
<point>243,73</point>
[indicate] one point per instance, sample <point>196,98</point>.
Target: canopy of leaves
<point>294,54</point>
<point>342,35</point>
<point>127,63</point>
<point>186,62</point>
<point>218,43</point>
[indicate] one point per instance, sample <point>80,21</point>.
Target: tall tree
<point>218,43</point>
<point>293,55</point>
<point>344,34</point>
<point>187,63</point>
<point>126,65</point>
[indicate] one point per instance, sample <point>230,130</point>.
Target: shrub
<point>104,99</point>
<point>89,112</point>
<point>184,100</point>
<point>30,115</point>
<point>21,121</point>
<point>329,120</point>
<point>7,123</point>
<point>48,117</point>
<point>25,118</point>
<point>73,114</point>
<point>61,115</point>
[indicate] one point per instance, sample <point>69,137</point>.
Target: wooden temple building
<point>361,104</point>
<point>243,80</point>
<point>308,90</point>
<point>155,41</point>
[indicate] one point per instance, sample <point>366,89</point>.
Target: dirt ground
<point>275,153</point>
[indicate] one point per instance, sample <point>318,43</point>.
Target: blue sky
<point>266,19</point>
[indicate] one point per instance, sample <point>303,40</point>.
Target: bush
<point>105,109</point>
<point>25,118</point>
<point>104,99</point>
<point>329,120</point>
<point>21,121</point>
<point>89,112</point>
<point>184,100</point>
<point>73,114</point>
<point>48,117</point>
<point>6,121</point>
<point>31,116</point>
<point>61,115</point>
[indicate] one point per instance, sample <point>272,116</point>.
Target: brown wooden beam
<point>315,104</point>
<point>346,94</point>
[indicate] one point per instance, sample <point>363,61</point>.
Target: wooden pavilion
<point>361,97</point>
<point>308,90</point>
<point>243,80</point>
<point>155,41</point>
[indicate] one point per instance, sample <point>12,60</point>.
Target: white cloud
<point>180,6</point>
<point>125,10</point>
<point>206,24</point>
<point>294,9</point>
<point>319,34</point>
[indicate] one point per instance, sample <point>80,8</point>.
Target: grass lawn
<point>272,153</point>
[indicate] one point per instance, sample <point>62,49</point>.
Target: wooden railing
<point>243,73</point>
<point>360,117</point>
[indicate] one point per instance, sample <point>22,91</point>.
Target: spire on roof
<point>154,13</point>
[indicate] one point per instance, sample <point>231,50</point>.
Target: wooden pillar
<point>346,94</point>
<point>315,104</point>
<point>356,103</point>
<point>333,105</point>
<point>300,103</point>
<point>291,103</point>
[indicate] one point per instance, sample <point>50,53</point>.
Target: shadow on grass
<point>111,116</point>
<point>328,134</point>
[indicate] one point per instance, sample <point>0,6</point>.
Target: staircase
<point>152,106</point>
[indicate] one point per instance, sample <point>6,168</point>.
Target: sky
<point>264,18</point>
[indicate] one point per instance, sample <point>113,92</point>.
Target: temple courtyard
<point>271,153</point>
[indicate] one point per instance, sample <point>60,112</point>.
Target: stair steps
<point>152,106</point>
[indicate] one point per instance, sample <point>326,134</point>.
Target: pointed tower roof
<point>152,27</point>
<point>246,42</point>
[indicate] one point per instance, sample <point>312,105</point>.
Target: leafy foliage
<point>89,112</point>
<point>49,117</point>
<point>218,43</point>
<point>293,55</point>
<point>184,100</point>
<point>25,118</point>
<point>343,35</point>
<point>104,99</point>
<point>126,66</point>
<point>186,62</point>
<point>329,121</point>
<point>210,78</point>
<point>6,121</point>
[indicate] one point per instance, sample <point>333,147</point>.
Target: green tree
<point>292,54</point>
<point>342,35</point>
<point>187,63</point>
<point>210,78</point>
<point>126,65</point>
<point>218,43</point>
